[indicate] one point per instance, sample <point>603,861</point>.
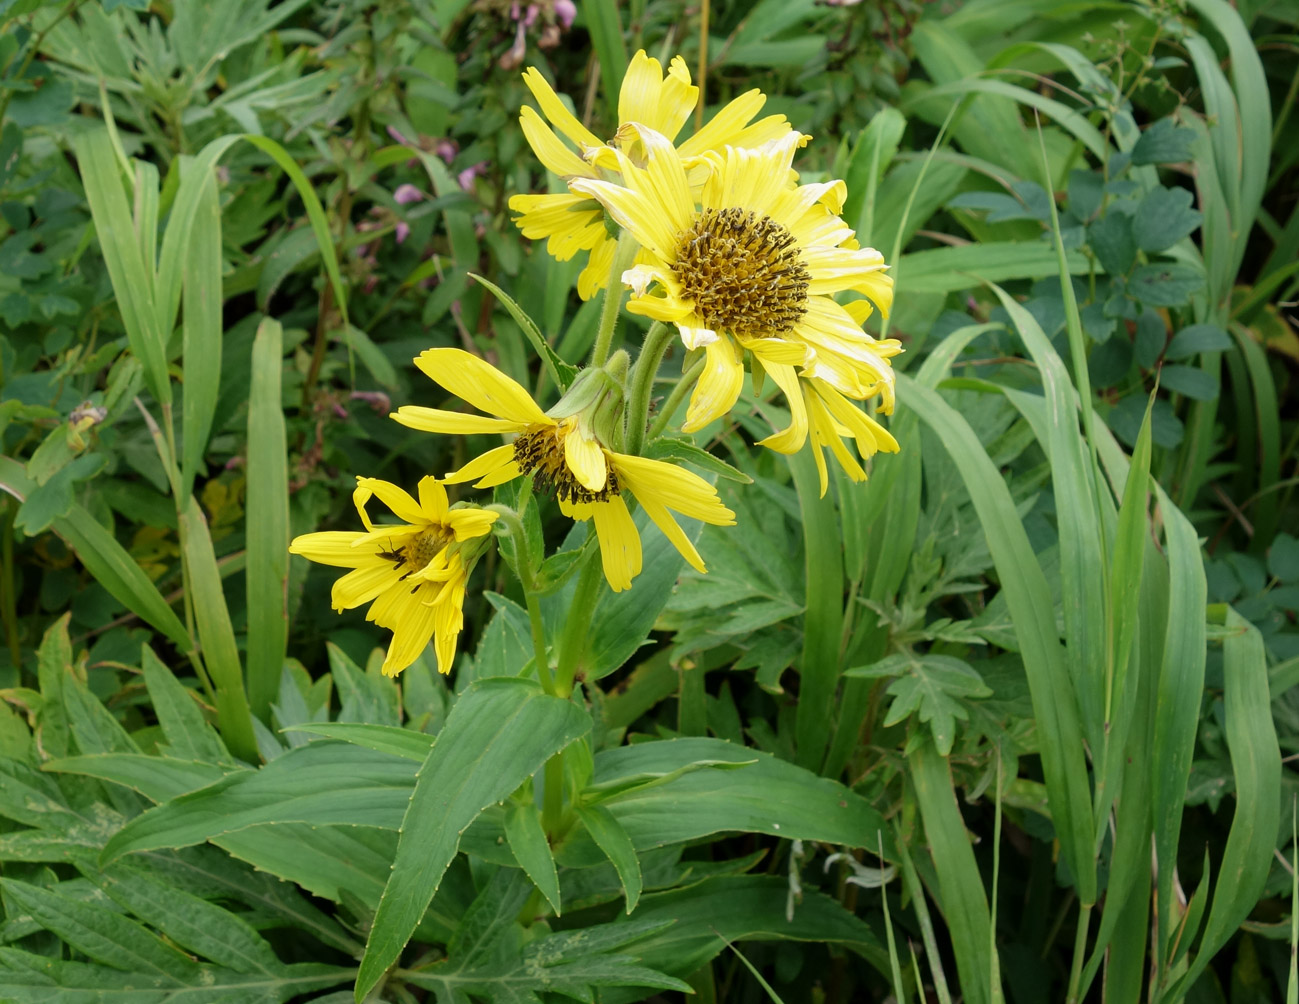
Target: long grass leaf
<point>267,571</point>
<point>604,23</point>
<point>1029,600</point>
<point>216,635</point>
<point>202,330</point>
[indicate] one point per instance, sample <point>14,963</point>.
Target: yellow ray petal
<point>553,108</point>
<point>585,459</point>
<point>397,499</point>
<point>432,499</point>
<point>722,128</point>
<point>558,158</point>
<point>672,530</point>
<point>666,180</point>
<point>620,551</point>
<point>415,416</point>
<point>792,438</point>
<point>506,472</point>
<point>486,464</point>
<point>719,385</point>
<point>677,99</point>
<point>467,523</point>
<point>632,211</point>
<point>333,547</point>
<point>595,276</point>
<point>410,634</point>
<point>481,384</point>
<point>361,585</point>
<point>672,486</point>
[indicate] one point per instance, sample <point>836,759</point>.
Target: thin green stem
<point>683,387</point>
<point>539,642</point>
<point>552,799</point>
<point>8,598</point>
<point>1079,951</point>
<point>612,304</point>
<point>572,639</point>
<point>642,384</point>
<point>513,524</point>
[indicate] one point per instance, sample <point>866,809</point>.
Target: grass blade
<point>217,637</point>
<point>202,334</point>
<point>267,571</point>
<point>605,25</point>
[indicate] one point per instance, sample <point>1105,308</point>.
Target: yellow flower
<point>414,572</point>
<point>752,268</point>
<point>573,223</point>
<point>564,456</point>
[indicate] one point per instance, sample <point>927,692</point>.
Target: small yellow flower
<point>564,456</point>
<point>573,223</point>
<point>414,572</point>
<point>752,269</point>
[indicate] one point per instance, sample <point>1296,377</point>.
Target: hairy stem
<point>612,303</point>
<point>683,387</point>
<point>642,384</point>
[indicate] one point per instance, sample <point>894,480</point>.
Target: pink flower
<point>446,149</point>
<point>466,177</point>
<point>565,11</point>
<point>397,136</point>
<point>407,194</point>
<point>402,231</point>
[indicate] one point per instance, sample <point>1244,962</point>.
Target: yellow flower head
<point>414,572</point>
<point>750,267</point>
<point>564,456</point>
<point>573,223</point>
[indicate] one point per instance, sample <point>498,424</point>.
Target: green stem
<point>1079,950</point>
<point>539,642</point>
<point>8,598</point>
<point>612,304</point>
<point>514,526</point>
<point>572,640</point>
<point>642,384</point>
<point>552,806</point>
<point>688,379</point>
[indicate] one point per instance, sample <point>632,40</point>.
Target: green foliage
<point>1051,636</point>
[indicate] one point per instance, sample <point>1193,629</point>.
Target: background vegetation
<point>1050,643</point>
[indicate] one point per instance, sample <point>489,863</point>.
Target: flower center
<point>539,450</point>
<point>744,273</point>
<point>424,547</point>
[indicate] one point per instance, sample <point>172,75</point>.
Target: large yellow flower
<point>751,269</point>
<point>573,223</point>
<point>414,572</point>
<point>564,456</point>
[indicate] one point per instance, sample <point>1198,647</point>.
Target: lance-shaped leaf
<point>499,734</point>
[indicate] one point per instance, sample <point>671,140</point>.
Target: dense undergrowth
<point>1010,720</point>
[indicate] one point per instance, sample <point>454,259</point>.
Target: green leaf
<point>945,270</point>
<point>871,156</point>
<point>498,734</point>
<point>320,783</point>
<point>202,328</point>
<point>1113,241</point>
<point>371,355</point>
<point>1163,218</point>
<point>768,795</point>
<point>157,778</point>
<point>1192,381</point>
<point>484,960</point>
<point>363,697</point>
<point>266,573</point>
<point>931,685</point>
<point>102,934</point>
<point>189,736</point>
<point>561,372</point>
<point>1283,558</point>
<point>390,739</point>
<point>1163,143</point>
<point>604,22</point>
<point>531,849</point>
<point>611,838</point>
<point>1168,284</point>
<point>744,908</point>
<point>220,653</point>
<point>1196,339</point>
<point>676,450</point>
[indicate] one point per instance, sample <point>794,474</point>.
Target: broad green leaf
<point>611,838</point>
<point>871,156</point>
<point>744,908</point>
<point>932,686</point>
<point>1197,338</point>
<point>157,778</point>
<point>267,570</point>
<point>1113,241</point>
<point>531,849</point>
<point>383,738</point>
<point>768,795</point>
<point>192,923</point>
<point>498,734</point>
<point>1163,217</point>
<point>1163,143</point>
<point>673,449</point>
<point>189,736</point>
<point>320,783</point>
<point>1166,284</point>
